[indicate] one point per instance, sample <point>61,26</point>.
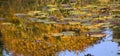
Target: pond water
<point>104,47</point>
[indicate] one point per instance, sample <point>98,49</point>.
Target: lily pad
<point>116,40</point>
<point>66,19</point>
<point>20,14</point>
<point>72,19</point>
<point>57,34</point>
<point>98,35</point>
<point>79,19</point>
<point>53,9</point>
<point>39,20</point>
<point>33,13</point>
<point>86,24</point>
<point>7,23</point>
<point>94,30</point>
<point>69,8</point>
<point>2,19</point>
<point>50,5</point>
<point>33,19</point>
<point>50,22</point>
<point>68,33</point>
<point>74,23</point>
<point>77,12</point>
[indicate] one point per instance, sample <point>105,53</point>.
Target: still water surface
<point>104,47</point>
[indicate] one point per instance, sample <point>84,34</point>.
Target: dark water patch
<point>1,48</point>
<point>0,34</point>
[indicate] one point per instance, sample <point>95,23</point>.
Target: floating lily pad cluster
<point>56,28</point>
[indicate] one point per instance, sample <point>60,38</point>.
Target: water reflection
<point>5,53</point>
<point>1,48</point>
<point>105,47</point>
<point>116,35</point>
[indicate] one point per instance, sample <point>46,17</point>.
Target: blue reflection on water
<point>104,48</point>
<point>7,54</point>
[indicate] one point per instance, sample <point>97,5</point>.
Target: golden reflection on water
<point>31,44</point>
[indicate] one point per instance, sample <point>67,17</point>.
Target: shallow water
<point>104,47</point>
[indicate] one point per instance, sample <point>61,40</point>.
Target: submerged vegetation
<point>43,27</point>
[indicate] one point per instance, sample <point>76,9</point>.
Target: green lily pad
<point>39,20</point>
<point>53,9</point>
<point>32,13</point>
<point>50,22</point>
<point>72,19</point>
<point>68,33</point>
<point>50,5</point>
<point>74,23</point>
<point>95,30</point>
<point>91,6</point>
<point>77,12</point>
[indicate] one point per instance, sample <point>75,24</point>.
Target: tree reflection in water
<point>116,35</point>
<point>1,47</point>
<point>35,46</point>
<point>34,43</point>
